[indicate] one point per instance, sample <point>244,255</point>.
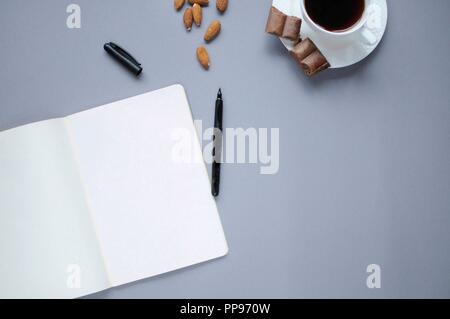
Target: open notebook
<point>96,200</point>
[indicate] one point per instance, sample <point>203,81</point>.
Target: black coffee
<point>335,15</point>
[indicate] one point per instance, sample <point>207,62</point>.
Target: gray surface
<point>365,155</point>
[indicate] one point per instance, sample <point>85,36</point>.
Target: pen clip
<point>124,53</point>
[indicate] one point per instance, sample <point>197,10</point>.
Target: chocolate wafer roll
<point>291,30</point>
<point>309,57</point>
<point>303,49</point>
<point>314,63</point>
<point>276,22</point>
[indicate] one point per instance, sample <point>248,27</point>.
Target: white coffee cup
<point>360,28</point>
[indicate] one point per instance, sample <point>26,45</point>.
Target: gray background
<point>365,159</point>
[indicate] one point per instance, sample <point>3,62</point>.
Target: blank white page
<point>48,247</point>
<point>152,214</point>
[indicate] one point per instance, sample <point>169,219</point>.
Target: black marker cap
<point>123,57</point>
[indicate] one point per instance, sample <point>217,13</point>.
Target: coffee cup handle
<point>367,36</point>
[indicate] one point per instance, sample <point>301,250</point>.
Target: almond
<point>188,19</point>
<point>213,31</point>
<point>197,12</point>
<point>179,4</point>
<point>203,3</point>
<point>222,5</point>
<point>203,57</point>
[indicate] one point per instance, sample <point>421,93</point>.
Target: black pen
<point>123,57</point>
<point>217,150</point>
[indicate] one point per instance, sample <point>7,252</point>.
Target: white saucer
<point>345,51</point>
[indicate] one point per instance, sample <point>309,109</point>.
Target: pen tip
<point>219,94</point>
